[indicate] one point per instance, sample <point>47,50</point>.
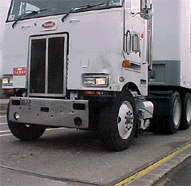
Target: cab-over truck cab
<point>78,64</point>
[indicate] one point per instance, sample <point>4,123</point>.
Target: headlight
<point>89,81</point>
<point>95,80</point>
<point>7,80</point>
<point>11,80</point>
<point>101,81</point>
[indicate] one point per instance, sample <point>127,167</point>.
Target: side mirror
<point>146,9</point>
<point>147,13</point>
<point>146,4</point>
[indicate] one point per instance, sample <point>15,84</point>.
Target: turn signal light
<point>126,63</point>
<point>90,92</point>
<point>9,90</point>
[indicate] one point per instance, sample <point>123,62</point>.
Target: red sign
<point>20,71</point>
<point>48,24</point>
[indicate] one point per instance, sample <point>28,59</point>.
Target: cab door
<point>135,34</point>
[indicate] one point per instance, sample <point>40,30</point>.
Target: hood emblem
<point>49,24</point>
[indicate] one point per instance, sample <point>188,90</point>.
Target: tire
<point>171,123</point>
<point>156,126</point>
<point>25,132</point>
<point>186,112</point>
<point>118,122</point>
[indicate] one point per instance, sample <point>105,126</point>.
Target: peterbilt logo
<point>48,24</point>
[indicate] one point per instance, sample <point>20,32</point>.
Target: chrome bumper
<point>49,112</point>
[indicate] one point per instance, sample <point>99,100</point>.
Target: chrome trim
<point>95,76</point>
<point>46,67</point>
<point>47,37</point>
<point>49,112</point>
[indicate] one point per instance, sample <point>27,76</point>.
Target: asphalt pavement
<point>4,101</point>
<point>3,106</point>
<point>145,152</point>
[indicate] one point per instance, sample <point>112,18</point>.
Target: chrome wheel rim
<point>177,113</point>
<point>125,120</point>
<point>188,109</point>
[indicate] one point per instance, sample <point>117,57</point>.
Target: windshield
<point>53,7</point>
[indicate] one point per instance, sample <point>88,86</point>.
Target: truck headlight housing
<point>7,80</point>
<point>95,80</point>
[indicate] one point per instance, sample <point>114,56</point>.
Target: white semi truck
<point>88,65</point>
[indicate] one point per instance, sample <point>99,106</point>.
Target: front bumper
<point>50,112</point>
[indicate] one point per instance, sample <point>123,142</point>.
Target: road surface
<point>71,157</point>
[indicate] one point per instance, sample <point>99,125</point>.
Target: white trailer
<point>81,64</point>
<point>170,78</point>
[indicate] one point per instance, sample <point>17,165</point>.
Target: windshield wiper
<point>80,8</point>
<point>26,14</point>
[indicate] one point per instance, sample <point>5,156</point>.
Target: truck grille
<point>47,65</point>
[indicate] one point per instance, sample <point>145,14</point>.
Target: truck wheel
<point>186,112</point>
<point>172,122</point>
<point>156,127</point>
<point>118,122</point>
<point>23,131</point>
<point>26,132</point>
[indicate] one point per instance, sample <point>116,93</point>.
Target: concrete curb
<point>156,175</point>
<point>165,178</point>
